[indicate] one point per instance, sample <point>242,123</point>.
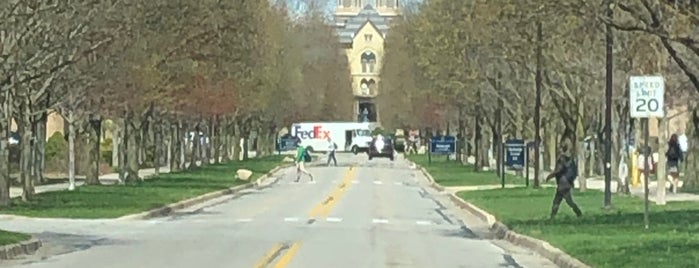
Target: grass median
<point>7,238</point>
<point>93,202</point>
<point>452,174</point>
<point>601,238</point>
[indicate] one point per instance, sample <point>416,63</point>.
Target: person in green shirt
<point>301,152</point>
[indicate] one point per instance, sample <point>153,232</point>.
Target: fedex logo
<point>316,133</point>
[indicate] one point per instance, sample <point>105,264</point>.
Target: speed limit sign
<point>646,96</point>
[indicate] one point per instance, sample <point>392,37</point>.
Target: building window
<point>368,62</point>
<point>364,88</point>
<point>367,37</point>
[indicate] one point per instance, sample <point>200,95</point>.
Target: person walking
<point>332,146</point>
<point>565,174</point>
<point>674,157</point>
<point>302,156</point>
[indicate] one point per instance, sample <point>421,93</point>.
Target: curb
<point>12,251</point>
<point>501,231</point>
<point>433,184</point>
<point>169,209</point>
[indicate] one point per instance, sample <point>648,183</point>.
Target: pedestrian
<point>674,157</point>
<point>565,174</point>
<point>332,146</point>
<point>302,156</point>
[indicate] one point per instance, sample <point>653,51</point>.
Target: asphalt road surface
<point>360,214</point>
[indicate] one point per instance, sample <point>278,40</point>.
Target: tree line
<point>157,71</point>
<point>541,65</point>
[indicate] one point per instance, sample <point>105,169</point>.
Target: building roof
<point>368,15</point>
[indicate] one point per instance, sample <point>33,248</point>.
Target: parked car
<point>381,147</point>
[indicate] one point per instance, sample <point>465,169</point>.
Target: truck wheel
<point>370,157</point>
<point>391,157</point>
<point>355,150</point>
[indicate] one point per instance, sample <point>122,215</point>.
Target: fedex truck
<point>349,136</point>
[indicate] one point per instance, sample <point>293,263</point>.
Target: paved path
<point>594,183</point>
<point>109,178</point>
<point>378,214</point>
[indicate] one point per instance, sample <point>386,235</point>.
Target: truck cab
<point>357,140</point>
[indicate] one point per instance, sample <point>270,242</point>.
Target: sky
<point>328,5</point>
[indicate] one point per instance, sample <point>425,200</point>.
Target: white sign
<point>647,96</point>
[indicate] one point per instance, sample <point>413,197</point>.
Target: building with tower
<point>362,26</point>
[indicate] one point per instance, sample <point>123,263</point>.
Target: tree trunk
<point>213,141</point>
<point>172,148</point>
<point>216,139</point>
<point>5,153</point>
<point>116,140</point>
<point>132,150</point>
<point>477,141</point>
<point>196,144</point>
<point>94,135</point>
<point>662,148</point>
<point>71,151</point>
<point>123,145</point>
<point>226,143</point>
<point>156,147</point>
<point>551,138</point>
<point>691,179</point>
<point>579,137</point>
<point>40,148</point>
<point>25,128</point>
<point>236,140</point>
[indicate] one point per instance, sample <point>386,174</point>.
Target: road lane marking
<point>424,223</point>
<point>398,183</point>
<point>355,182</point>
<point>333,219</point>
<point>379,221</point>
<point>323,209</point>
<point>378,182</point>
<point>244,220</point>
<point>288,256</point>
<point>269,256</point>
<point>291,219</point>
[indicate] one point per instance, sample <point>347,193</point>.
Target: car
<point>381,147</point>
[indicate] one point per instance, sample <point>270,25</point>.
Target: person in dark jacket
<point>565,177</point>
<point>674,157</point>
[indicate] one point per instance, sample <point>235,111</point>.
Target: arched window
<point>368,62</point>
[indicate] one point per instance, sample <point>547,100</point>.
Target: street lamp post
<point>608,111</point>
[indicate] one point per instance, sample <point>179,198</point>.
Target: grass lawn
<point>7,238</point>
<point>601,238</point>
<point>91,202</point>
<point>452,173</point>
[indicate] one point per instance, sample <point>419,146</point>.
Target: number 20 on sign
<point>646,96</point>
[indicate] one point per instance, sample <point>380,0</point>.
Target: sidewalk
<point>593,183</point>
<point>109,178</point>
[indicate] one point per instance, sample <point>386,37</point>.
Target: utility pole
<point>537,104</point>
<point>608,112</point>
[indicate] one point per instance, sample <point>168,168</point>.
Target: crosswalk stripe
<point>333,219</point>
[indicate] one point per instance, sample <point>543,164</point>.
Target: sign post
<point>287,144</point>
<point>442,145</point>
<point>515,154</point>
<point>646,100</point>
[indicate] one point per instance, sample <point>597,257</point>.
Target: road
<point>361,214</point>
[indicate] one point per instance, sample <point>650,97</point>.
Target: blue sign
<point>443,145</point>
<point>514,153</point>
<point>287,144</point>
